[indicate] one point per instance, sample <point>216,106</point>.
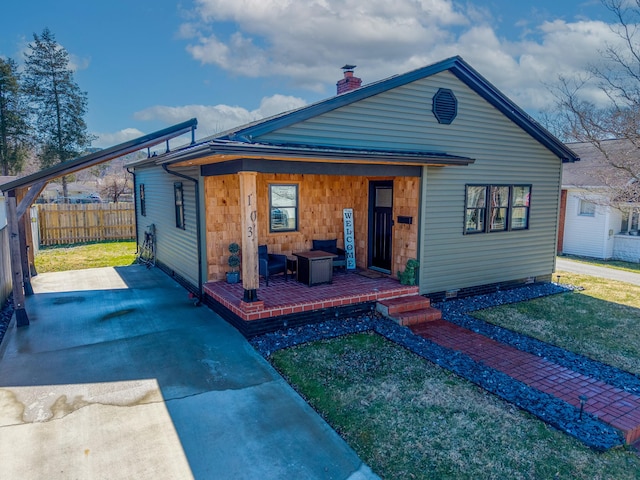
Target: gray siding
<point>505,154</point>
<point>175,248</point>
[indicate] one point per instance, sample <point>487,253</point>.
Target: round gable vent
<point>445,106</point>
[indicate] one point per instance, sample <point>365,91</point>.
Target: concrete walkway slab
<point>119,375</point>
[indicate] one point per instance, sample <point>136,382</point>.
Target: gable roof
<point>456,65</point>
<point>594,170</point>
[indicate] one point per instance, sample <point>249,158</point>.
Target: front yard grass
<point>408,418</point>
<point>601,322</point>
<point>91,255</point>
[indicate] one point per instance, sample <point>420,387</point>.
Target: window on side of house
<point>499,216</point>
<point>283,208</point>
<point>630,220</point>
<point>143,203</point>
<point>475,208</point>
<point>496,208</point>
<point>520,196</point>
<point>179,204</point>
<point>587,209</point>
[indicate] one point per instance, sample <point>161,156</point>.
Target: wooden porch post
<point>249,223</point>
<point>24,254</point>
<point>16,263</point>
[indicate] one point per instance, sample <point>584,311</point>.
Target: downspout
<point>198,228</point>
<point>135,207</point>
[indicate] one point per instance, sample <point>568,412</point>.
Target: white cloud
<point>216,118</point>
<point>307,41</point>
<point>109,139</point>
<point>77,63</point>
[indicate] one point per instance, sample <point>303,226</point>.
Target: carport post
<point>22,319</point>
<point>24,254</point>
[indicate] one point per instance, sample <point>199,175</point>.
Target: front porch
<point>288,303</point>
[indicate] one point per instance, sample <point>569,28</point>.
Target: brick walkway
<point>610,404</point>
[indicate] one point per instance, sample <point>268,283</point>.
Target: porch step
<point>408,311</point>
<point>394,306</point>
<point>418,317</point>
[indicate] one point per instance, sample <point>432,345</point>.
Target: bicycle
<point>147,251</point>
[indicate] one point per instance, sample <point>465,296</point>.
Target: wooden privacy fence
<point>62,224</point>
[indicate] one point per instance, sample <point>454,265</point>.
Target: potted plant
<point>234,262</point>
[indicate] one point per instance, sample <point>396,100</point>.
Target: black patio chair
<point>331,246</point>
<point>270,263</point>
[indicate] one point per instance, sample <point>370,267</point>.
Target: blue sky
<point>147,64</point>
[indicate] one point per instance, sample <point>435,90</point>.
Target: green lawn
<point>408,418</point>
<point>601,322</point>
<point>77,257</point>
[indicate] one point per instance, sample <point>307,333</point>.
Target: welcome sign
<point>349,239</point>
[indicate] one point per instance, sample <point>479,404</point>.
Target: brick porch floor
<point>285,297</point>
<point>612,405</point>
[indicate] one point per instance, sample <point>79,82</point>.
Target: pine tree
<point>14,128</point>
<point>58,104</point>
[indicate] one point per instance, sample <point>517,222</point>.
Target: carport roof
<point>101,156</point>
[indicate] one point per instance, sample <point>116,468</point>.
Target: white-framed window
<point>630,220</point>
<point>587,209</point>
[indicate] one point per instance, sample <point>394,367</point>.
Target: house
<point>599,214</point>
<point>78,192</point>
<point>436,164</point>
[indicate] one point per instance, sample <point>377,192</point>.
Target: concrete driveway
<point>120,376</point>
<point>567,265</point>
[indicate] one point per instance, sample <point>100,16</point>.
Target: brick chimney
<point>349,82</point>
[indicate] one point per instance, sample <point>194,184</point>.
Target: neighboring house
<point>599,216</point>
<point>436,164</point>
<point>78,192</point>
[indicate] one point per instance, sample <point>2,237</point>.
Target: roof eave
<point>456,65</point>
<point>313,153</point>
<point>489,92</point>
<point>332,103</point>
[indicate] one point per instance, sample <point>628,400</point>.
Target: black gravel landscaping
<point>556,412</point>
<point>6,312</point>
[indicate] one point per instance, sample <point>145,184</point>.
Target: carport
<point>22,193</point>
<point>124,378</point>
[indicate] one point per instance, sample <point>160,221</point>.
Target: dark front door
<point>380,224</point>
